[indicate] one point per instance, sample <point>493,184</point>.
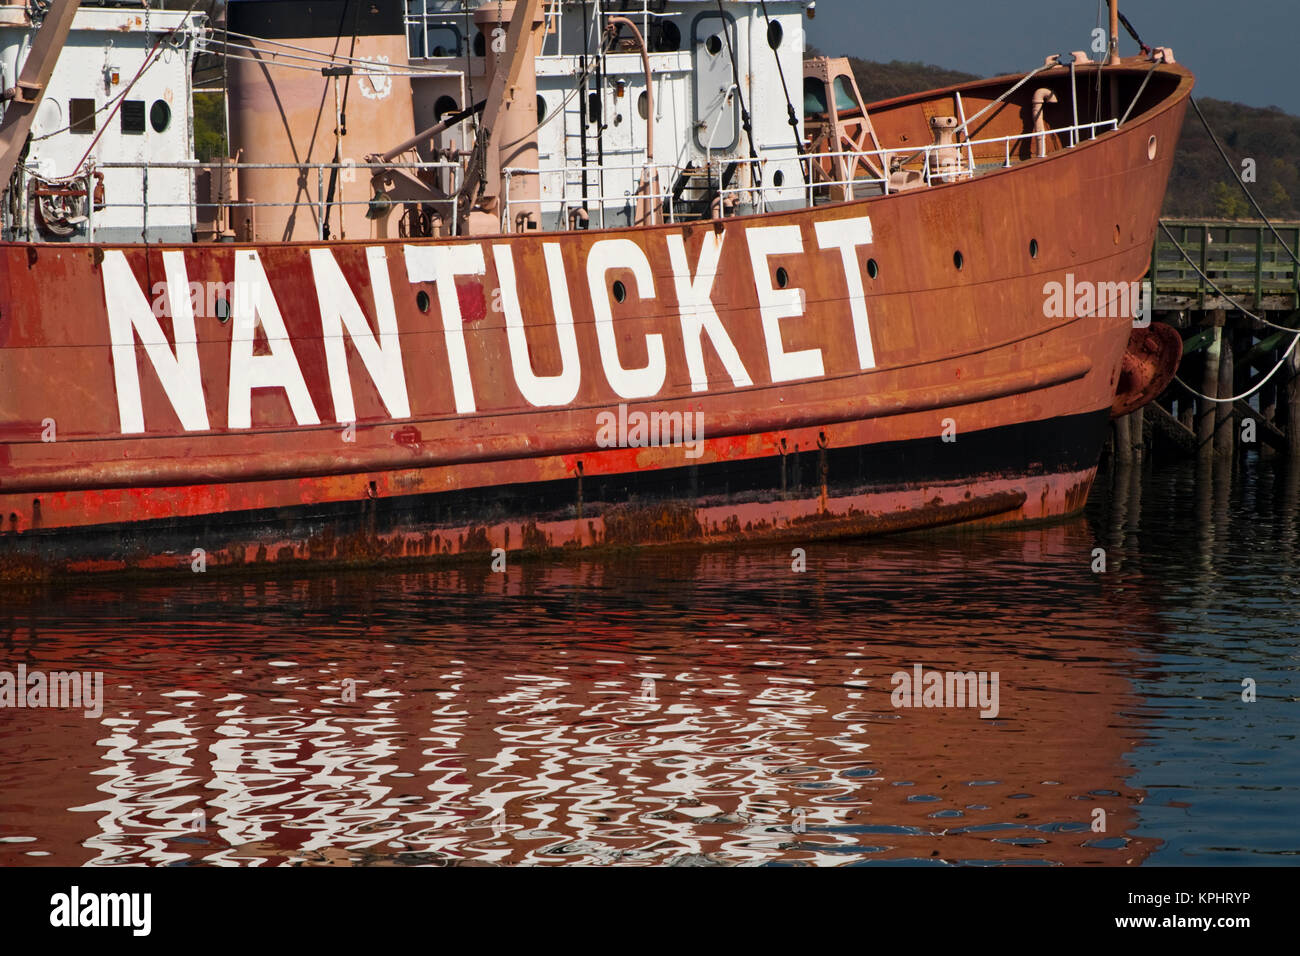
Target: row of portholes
<point>783,277</point>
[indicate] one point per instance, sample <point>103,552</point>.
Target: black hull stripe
<point>1053,446</point>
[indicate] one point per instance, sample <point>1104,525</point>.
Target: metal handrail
<point>664,174</point>
<point>320,169</point>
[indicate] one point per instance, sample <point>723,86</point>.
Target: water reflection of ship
<point>528,733</point>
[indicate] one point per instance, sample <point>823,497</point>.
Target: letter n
<point>130,315</point>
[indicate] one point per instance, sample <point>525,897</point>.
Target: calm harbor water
<point>692,708</point>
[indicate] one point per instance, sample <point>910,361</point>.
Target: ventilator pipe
<point>1042,96</point>
<point>650,175</point>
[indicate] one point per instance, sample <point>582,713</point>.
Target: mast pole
<point>1113,59</point>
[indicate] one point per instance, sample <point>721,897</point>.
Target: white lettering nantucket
<point>605,255</point>
<point>129,315</point>
<point>340,311</point>
<point>255,304</point>
<point>777,304</point>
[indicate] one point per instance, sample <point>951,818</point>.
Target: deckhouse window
<point>81,116</point>
<point>133,116</point>
<point>428,32</point>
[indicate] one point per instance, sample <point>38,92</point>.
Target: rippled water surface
<point>691,708</point>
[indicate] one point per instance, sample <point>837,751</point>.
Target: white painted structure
<point>697,116</point>
<point>96,97</point>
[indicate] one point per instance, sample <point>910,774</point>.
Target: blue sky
<point>1244,51</point>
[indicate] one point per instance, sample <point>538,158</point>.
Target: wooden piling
<point>1224,437</point>
<point>1207,414</point>
<point>1137,432</point>
<point>1293,404</point>
<point>1121,443</point>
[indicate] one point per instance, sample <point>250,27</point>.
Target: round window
<point>160,116</point>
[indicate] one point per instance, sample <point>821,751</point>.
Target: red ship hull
<point>851,369</point>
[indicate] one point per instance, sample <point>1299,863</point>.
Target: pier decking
<point>1227,290</point>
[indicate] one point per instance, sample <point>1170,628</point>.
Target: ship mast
<point>25,95</point>
<point>1113,59</point>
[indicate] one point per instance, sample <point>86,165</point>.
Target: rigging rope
<point>1231,301</point>
<point>1214,139</point>
<point>746,123</point>
<point>1246,394</point>
<point>789,107</point>
<point>1237,305</point>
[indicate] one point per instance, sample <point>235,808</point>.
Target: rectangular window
<point>81,116</point>
<point>133,116</point>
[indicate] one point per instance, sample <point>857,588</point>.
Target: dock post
<point>1224,439</point>
<point>1138,432</point>
<point>1293,405</point>
<point>1122,440</point>
<point>1207,414</point>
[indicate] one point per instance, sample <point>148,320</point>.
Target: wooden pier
<point>1240,278</point>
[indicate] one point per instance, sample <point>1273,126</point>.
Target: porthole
<point>593,107</point>
<point>958,260</point>
<point>713,44</point>
<point>643,105</point>
<point>480,43</point>
<point>620,291</point>
<point>782,277</point>
<point>775,34</point>
<point>873,270</point>
<point>778,178</point>
<point>422,301</point>
<point>1152,148</point>
<point>541,108</point>
<point>221,309</point>
<point>160,116</point>
<point>1033,248</point>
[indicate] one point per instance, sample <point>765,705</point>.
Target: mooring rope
<point>1285,328</point>
<point>1262,382</point>
<point>1231,301</point>
<point>1214,139</point>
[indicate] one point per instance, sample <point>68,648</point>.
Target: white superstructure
<point>695,56</point>
<point>120,94</point>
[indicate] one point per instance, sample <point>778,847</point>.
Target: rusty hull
<point>968,350</point>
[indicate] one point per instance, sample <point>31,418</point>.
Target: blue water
<point>692,708</point>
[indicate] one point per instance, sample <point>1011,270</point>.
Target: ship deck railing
<point>935,163</point>
<point>924,160</point>
<point>347,172</point>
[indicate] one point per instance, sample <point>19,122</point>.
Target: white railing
<point>346,173</point>
<point>662,201</point>
<point>959,164</point>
